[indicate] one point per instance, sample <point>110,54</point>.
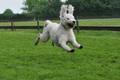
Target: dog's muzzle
<point>71,25</point>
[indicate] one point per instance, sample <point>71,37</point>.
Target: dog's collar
<point>63,26</point>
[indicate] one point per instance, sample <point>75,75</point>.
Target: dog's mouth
<point>71,25</point>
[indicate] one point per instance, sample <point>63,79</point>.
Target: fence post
<point>12,25</point>
<point>78,28</point>
<point>38,25</point>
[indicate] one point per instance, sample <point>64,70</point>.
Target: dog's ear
<point>63,11</point>
<point>70,9</point>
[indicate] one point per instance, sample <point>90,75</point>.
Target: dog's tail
<point>46,23</point>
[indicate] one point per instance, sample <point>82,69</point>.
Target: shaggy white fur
<point>62,33</point>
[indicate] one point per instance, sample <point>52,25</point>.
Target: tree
<point>91,7</point>
<point>8,11</point>
<point>83,8</point>
<point>43,8</point>
<point>115,4</point>
<point>80,6</point>
<point>30,5</point>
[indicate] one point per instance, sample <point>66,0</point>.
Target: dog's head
<point>66,16</point>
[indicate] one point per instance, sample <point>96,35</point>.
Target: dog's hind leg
<point>38,39</point>
<point>43,37</point>
<point>52,43</point>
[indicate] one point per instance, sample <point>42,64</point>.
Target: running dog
<point>62,33</point>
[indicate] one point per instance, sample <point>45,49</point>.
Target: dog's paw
<point>72,50</point>
<point>52,43</point>
<point>37,41</point>
<point>81,47</point>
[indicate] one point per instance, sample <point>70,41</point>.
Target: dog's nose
<point>74,22</point>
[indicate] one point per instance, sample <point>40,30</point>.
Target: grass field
<point>82,22</point>
<point>21,60</point>
<point>100,22</point>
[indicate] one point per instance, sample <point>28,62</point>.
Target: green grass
<point>82,22</point>
<point>26,23</point>
<point>5,24</point>
<point>100,22</point>
<point>21,60</point>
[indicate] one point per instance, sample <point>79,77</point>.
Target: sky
<point>14,5</point>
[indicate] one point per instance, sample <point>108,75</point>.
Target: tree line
<point>83,8</point>
<point>96,7</point>
<point>9,15</point>
<point>51,8</point>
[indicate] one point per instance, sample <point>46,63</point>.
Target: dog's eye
<point>67,18</point>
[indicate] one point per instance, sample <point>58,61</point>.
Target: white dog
<point>62,33</point>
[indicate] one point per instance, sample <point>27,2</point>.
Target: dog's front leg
<point>75,44</point>
<point>63,45</point>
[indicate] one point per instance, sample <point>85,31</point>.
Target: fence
<point>77,27</point>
